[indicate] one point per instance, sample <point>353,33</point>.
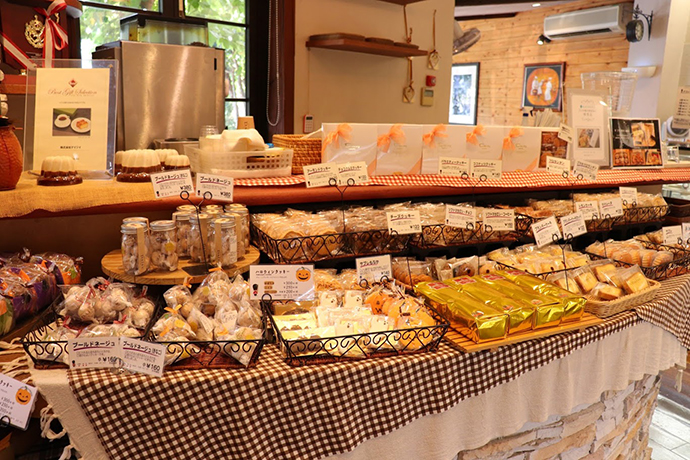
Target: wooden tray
<point>111,264</point>
<point>461,341</point>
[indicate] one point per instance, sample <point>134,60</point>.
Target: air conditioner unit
<point>593,21</point>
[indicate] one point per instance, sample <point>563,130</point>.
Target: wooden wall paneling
<point>507,44</point>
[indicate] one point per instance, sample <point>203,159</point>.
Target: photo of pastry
<point>621,157</point>
<point>637,157</point>
<point>635,142</point>
<point>552,146</point>
<point>588,138</point>
<point>71,122</point>
<point>654,158</point>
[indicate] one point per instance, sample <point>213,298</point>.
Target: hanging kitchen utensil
<point>433,58</point>
<point>408,91</point>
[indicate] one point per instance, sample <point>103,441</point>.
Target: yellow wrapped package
<point>573,305</point>
<point>522,316</point>
<point>484,323</point>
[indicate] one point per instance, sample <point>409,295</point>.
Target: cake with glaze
<point>59,170</point>
<point>177,162</point>
<point>137,165</point>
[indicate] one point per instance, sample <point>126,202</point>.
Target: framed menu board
<point>588,115</point>
<point>635,143</point>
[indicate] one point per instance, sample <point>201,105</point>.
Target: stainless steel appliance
<point>166,91</point>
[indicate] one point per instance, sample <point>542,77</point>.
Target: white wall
<point>339,86</point>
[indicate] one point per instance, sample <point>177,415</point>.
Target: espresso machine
<point>166,92</point>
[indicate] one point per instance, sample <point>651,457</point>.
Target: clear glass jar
<point>188,208</point>
<point>199,233</point>
<point>241,248</point>
<point>163,245</point>
<point>135,251</point>
<point>141,220</point>
<point>224,242</point>
<point>182,226</point>
<point>213,208</point>
<point>243,229</point>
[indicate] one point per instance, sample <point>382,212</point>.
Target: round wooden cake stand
<point>111,264</point>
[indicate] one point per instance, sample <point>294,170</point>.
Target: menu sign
<point>71,116</point>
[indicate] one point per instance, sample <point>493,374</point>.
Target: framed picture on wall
<point>543,86</point>
<point>464,88</point>
<point>635,143</point>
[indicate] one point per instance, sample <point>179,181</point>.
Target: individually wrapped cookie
<point>214,290</point>
<point>349,280</point>
<point>632,279</point>
<point>140,313</point>
<point>585,278</point>
<point>467,266</point>
<point>79,303</point>
<point>171,327</point>
<point>606,292</point>
<point>566,281</point>
<point>112,302</point>
<point>179,295</point>
<point>163,245</point>
<point>411,271</point>
<point>602,269</point>
<point>202,325</point>
<point>243,350</point>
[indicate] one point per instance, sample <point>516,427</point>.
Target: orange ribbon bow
<point>508,141</point>
<point>343,131</point>
<point>395,134</point>
<point>471,138</point>
<point>430,138</point>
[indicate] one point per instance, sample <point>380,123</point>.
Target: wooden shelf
<point>359,46</point>
<point>111,264</point>
<point>401,2</point>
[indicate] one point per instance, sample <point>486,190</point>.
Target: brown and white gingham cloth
<point>670,309</point>
<point>274,411</point>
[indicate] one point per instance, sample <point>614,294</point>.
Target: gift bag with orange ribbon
<point>521,148</point>
<point>482,142</point>
<point>349,143</point>
<point>399,149</point>
<point>441,141</point>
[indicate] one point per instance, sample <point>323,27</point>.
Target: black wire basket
<point>313,248</point>
<point>678,250</point>
<point>643,214</point>
<point>660,272</point>
<point>323,350</point>
<point>542,275</point>
<point>212,354</point>
<point>440,235</point>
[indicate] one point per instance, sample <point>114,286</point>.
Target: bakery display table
<point>417,406</point>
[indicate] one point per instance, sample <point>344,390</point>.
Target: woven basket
<point>604,309</point>
<point>307,151</point>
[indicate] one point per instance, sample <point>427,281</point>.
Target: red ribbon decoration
<point>14,51</point>
<point>54,36</point>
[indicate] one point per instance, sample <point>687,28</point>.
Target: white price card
<point>404,222</point>
<point>558,166</point>
<point>585,170</point>
<point>172,183</point>
<point>144,357</point>
<point>486,169</point>
<point>17,401</point>
<point>565,133</point>
<point>320,175</point>
<point>220,187</point>
<point>681,116</point>
<point>451,166</point>
<point>686,232</point>
<point>93,352</point>
<point>499,220</point>
<point>464,217</point>
<point>672,235</point>
<point>611,208</point>
<point>373,269</point>
<point>282,282</point>
<point>573,225</point>
<point>589,209</point>
<point>628,195</point>
<point>357,171</point>
<point>546,231</point>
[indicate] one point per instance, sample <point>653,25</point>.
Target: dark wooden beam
<point>485,16</point>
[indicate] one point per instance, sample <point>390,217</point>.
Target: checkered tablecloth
<point>670,310</point>
<point>274,411</point>
<point>511,179</point>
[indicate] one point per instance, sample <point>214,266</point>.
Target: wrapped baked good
<point>606,292</point>
<point>140,313</point>
<point>179,295</point>
<point>109,330</point>
<point>410,271</point>
<point>69,268</point>
<point>632,280</point>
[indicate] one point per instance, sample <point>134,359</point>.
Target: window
<point>227,29</point>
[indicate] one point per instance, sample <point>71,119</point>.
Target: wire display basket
<point>312,248</point>
<point>542,275</point>
<point>659,272</point>
<point>439,235</point>
<point>323,350</point>
<point>643,214</point>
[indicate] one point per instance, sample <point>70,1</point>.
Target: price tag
<point>611,208</point>
<point>450,166</point>
<point>93,352</point>
<point>589,209</point>
<point>221,187</point>
<point>686,232</point>
<point>144,357</point>
<point>373,269</point>
<point>486,169</point>
<point>17,401</point>
<point>628,195</point>
<point>500,220</point>
<point>356,171</point>
<point>558,166</point>
<point>546,231</point>
<point>282,282</point>
<point>320,175</point>
<point>172,183</point>
<point>672,235</point>
<point>565,133</point>
<point>681,116</point>
<point>464,217</point>
<point>585,170</point>
<point>573,225</point>
<point>404,222</point>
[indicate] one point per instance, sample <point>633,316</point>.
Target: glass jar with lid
<point>241,249</point>
<point>243,228</point>
<point>224,242</point>
<point>188,208</point>
<point>199,233</point>
<point>134,245</point>
<point>182,226</point>
<point>141,220</point>
<point>163,245</point>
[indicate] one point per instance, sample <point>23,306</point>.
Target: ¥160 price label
<point>144,357</point>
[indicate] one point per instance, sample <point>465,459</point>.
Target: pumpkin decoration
<point>23,396</point>
<point>11,159</point>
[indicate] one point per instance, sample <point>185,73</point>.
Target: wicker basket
<point>307,151</point>
<point>604,309</point>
